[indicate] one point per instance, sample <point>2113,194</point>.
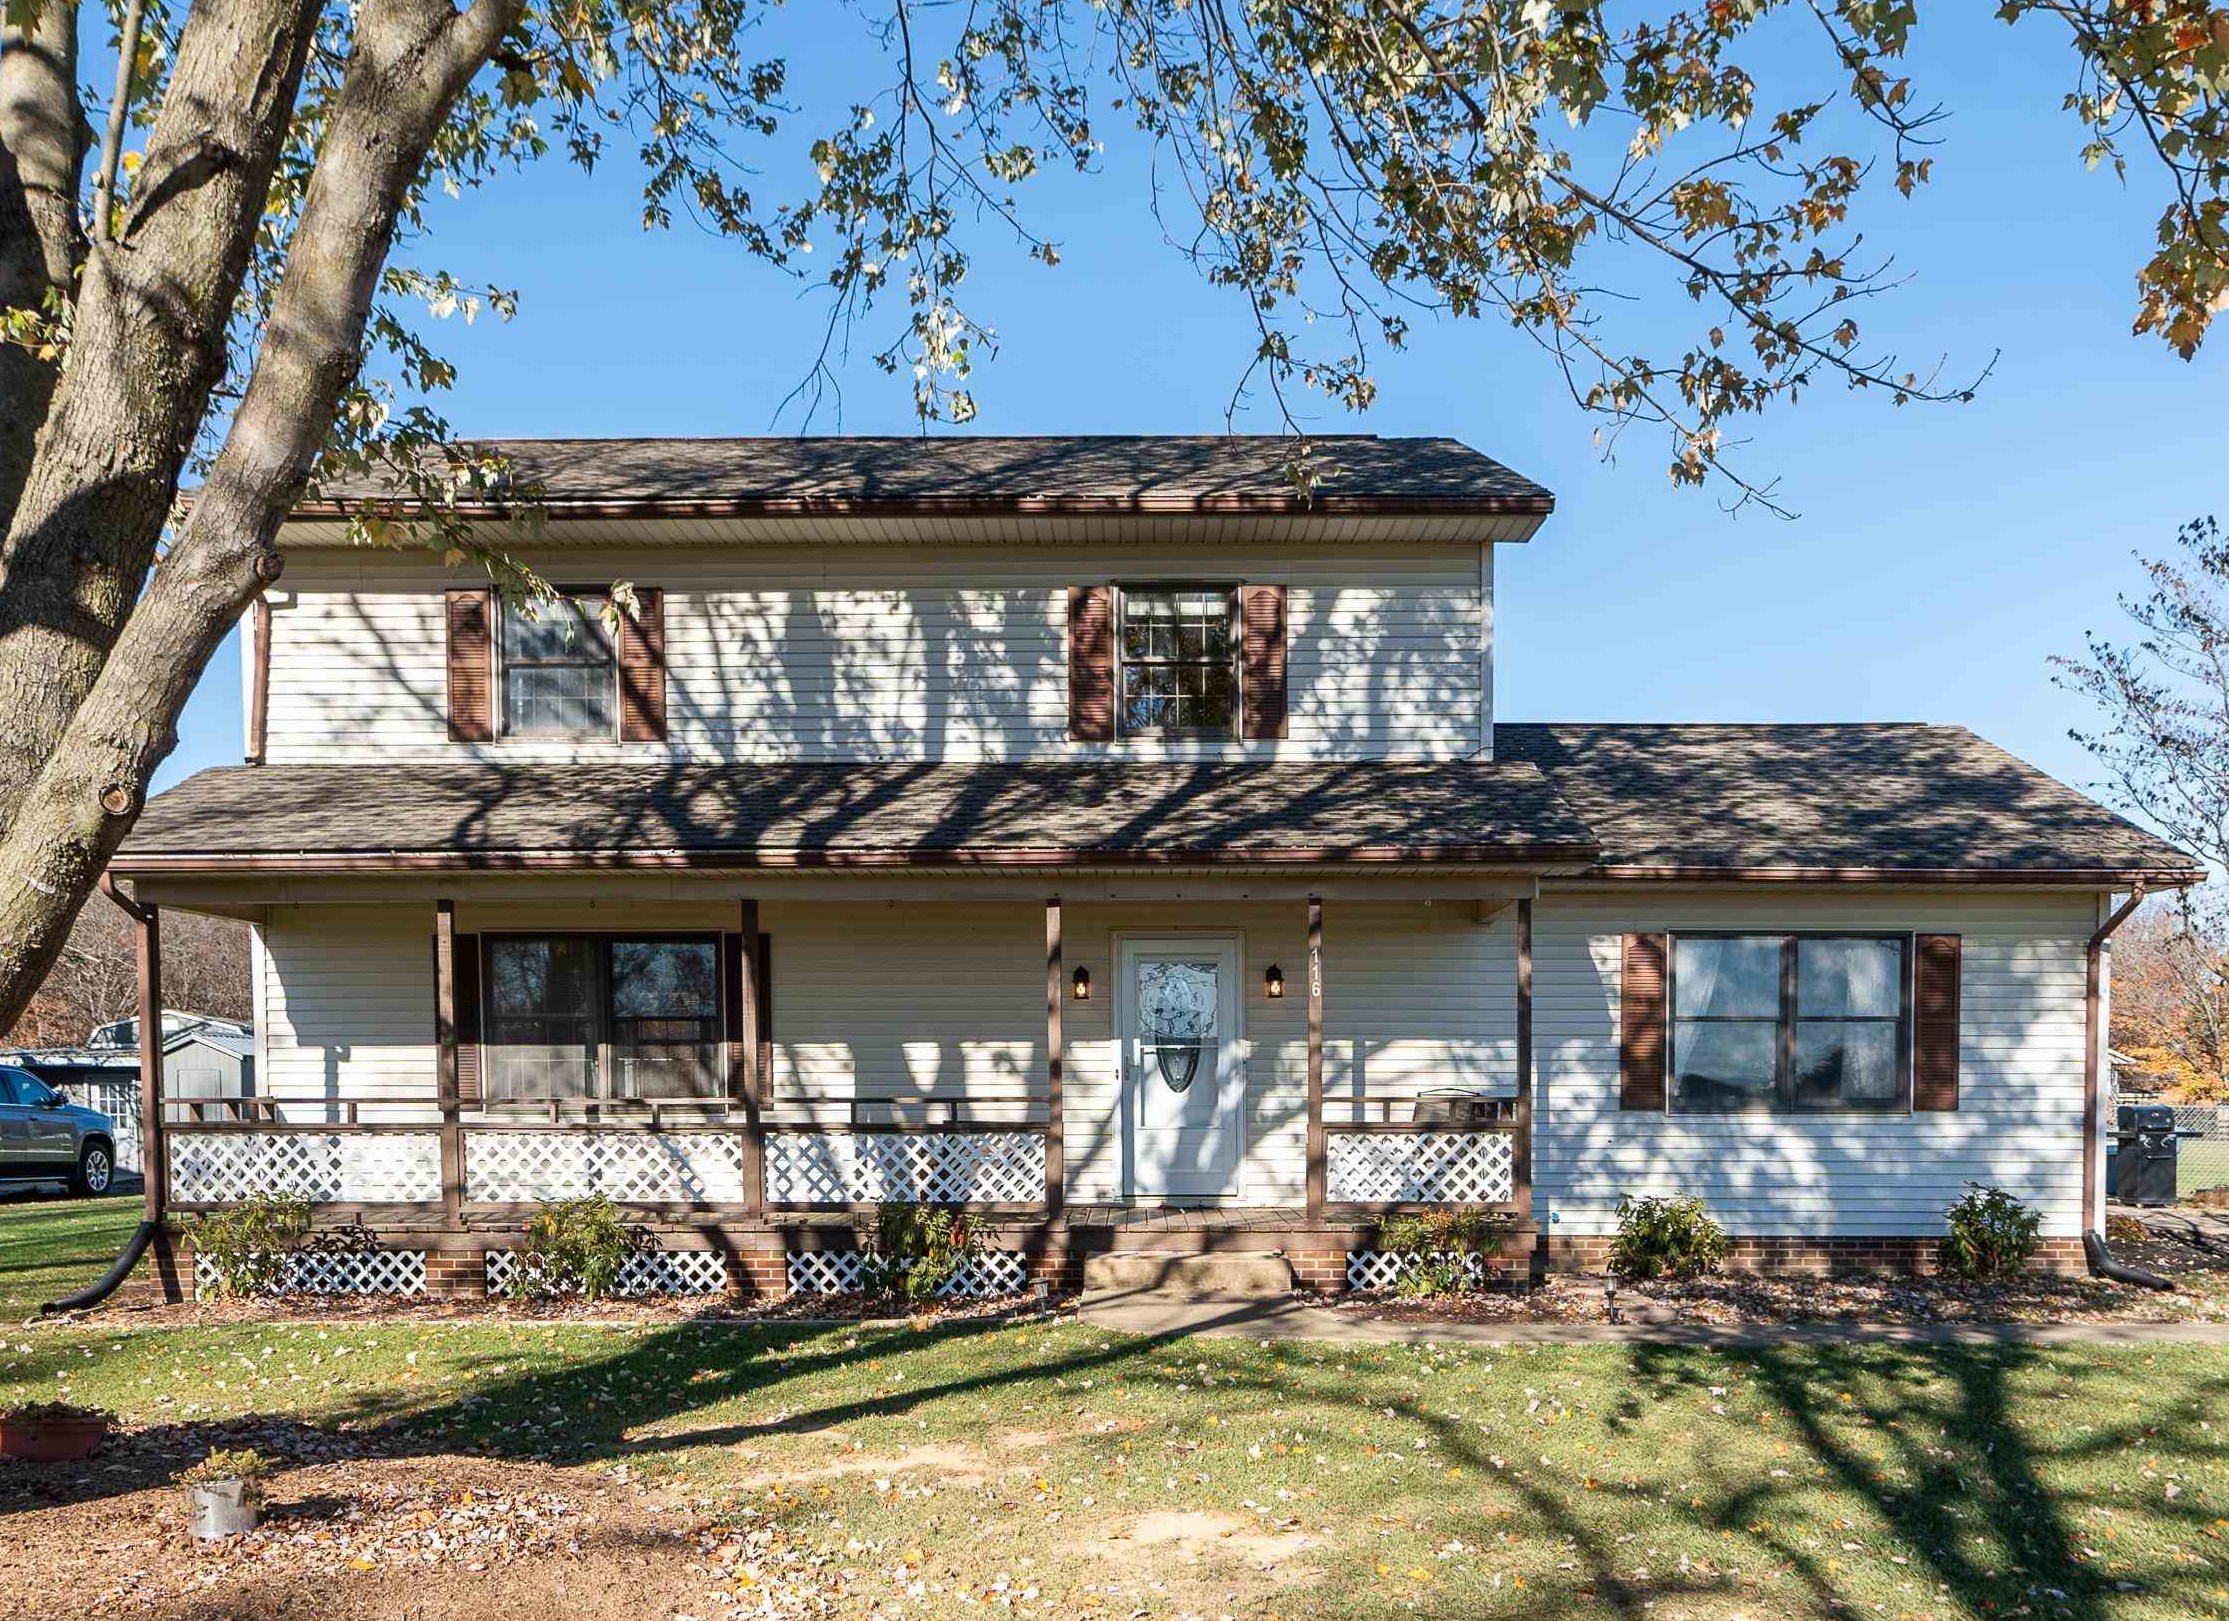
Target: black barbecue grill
<point>2145,1153</point>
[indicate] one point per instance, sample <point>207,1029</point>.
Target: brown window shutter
<point>766,1018</point>
<point>642,669</point>
<point>1935,979</point>
<point>1641,1052</point>
<point>1091,698</point>
<point>466,968</point>
<point>1262,610</point>
<point>471,666</point>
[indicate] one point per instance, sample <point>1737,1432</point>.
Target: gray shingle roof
<point>1880,801</point>
<point>1116,813</point>
<point>1881,798</point>
<point>1083,474</point>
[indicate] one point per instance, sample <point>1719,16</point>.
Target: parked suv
<point>45,1137</point>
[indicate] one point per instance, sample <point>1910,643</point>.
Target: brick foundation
<point>1821,1257</point>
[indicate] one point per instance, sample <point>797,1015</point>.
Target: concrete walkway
<point>1287,1320</point>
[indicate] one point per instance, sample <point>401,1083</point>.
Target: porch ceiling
<point>1502,816</point>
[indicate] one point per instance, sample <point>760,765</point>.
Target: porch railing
<point>1445,1149</point>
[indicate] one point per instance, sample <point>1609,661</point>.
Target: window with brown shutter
<point>1935,983</point>
<point>1091,708</point>
<point>471,618</point>
<point>642,669</point>
<point>466,971</point>
<point>1641,1023</point>
<point>1263,660</point>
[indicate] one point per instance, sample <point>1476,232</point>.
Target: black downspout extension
<point>2102,1265</point>
<point>111,1280</point>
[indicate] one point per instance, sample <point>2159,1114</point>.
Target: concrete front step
<point>1171,1275</point>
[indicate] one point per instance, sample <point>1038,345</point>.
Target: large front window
<point>1788,1022</point>
<point>558,677</point>
<point>1179,662</point>
<point>589,1016</point>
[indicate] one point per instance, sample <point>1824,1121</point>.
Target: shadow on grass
<point>1942,1457</point>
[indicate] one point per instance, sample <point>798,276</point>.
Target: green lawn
<point>50,1246</point>
<point>1108,1477</point>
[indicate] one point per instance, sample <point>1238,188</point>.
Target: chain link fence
<point>2202,1156</point>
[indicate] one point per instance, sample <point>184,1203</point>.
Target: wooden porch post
<point>1317,1177</point>
<point>154,1146</point>
<point>747,1030</point>
<point>445,1045</point>
<point>1056,1159</point>
<point>1521,1156</point>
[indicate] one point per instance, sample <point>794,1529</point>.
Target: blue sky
<point>1943,553</point>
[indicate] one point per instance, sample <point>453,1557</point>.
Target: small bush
<point>33,1412</point>
<point>249,1244</point>
<point>1992,1234</point>
<point>243,1464</point>
<point>1659,1237</point>
<point>1439,1245</point>
<point>573,1247</point>
<point>917,1250</point>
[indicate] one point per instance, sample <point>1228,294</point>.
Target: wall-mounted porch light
<point>1079,986</point>
<point>1273,983</point>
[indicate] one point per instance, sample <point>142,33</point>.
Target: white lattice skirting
<point>651,1272</point>
<point>926,1167</point>
<point>1428,1167</point>
<point>333,1272</point>
<point>626,1167</point>
<point>844,1272</point>
<point>1376,1269</point>
<point>387,1167</point>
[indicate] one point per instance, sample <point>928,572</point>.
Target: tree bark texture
<point>411,59</point>
<point>43,138</point>
<point>146,351</point>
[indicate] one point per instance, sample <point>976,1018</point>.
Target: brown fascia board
<point>1570,858</point>
<point>964,506</point>
<point>2151,877</point>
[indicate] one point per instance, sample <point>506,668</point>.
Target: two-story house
<point>1107,835</point>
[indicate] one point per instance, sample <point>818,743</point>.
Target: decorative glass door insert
<point>1184,1080</point>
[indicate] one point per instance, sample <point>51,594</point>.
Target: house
<point>1107,835</point>
<point>208,1072</point>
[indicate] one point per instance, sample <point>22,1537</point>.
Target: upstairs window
<point>559,678</point>
<point>596,1017</point>
<point>1179,661</point>
<point>1789,1023</point>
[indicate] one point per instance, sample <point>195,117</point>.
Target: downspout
<point>2094,1248</point>
<point>151,1223</point>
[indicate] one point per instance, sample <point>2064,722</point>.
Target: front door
<point>1184,1092</point>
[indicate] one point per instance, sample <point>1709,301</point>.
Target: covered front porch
<point>1138,1064</point>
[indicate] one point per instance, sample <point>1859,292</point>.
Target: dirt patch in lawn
<point>1194,1534</point>
<point>435,1538</point>
<point>862,1309</point>
<point>952,1465</point>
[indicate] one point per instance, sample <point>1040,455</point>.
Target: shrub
<point>1439,1245</point>
<point>917,1249</point>
<point>33,1412</point>
<point>243,1464</point>
<point>249,1244</point>
<point>1661,1237</point>
<point>1991,1234</point>
<point>573,1247</point>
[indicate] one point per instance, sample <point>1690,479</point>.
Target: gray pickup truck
<point>44,1137</point>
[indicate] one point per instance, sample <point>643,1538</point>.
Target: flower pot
<point>224,1508</point>
<point>51,1440</point>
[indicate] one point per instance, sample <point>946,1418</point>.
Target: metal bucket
<point>224,1508</point>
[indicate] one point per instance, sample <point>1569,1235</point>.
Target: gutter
<point>2094,1247</point>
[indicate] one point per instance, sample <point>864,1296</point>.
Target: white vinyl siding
<point>877,1001</point>
<point>2017,1125</point>
<point>907,653</point>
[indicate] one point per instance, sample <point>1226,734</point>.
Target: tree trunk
<point>147,349</point>
<point>42,153</point>
<point>411,59</point>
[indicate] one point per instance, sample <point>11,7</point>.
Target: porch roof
<point>341,818</point>
<point>1883,802</point>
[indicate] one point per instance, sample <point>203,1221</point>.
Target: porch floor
<point>1191,1218</point>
